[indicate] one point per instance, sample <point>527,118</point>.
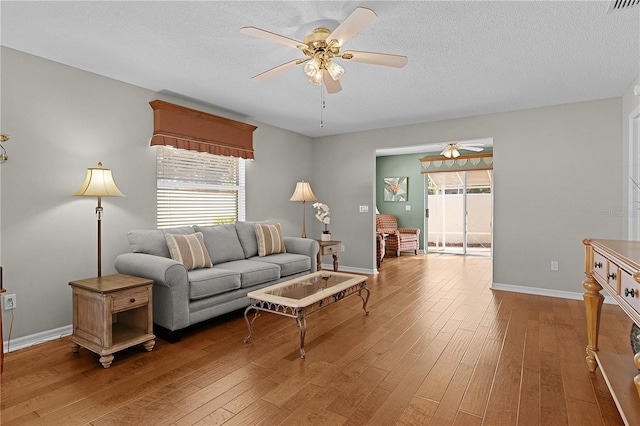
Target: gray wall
<point>63,120</point>
<point>566,156</point>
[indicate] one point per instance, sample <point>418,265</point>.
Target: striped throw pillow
<point>189,250</point>
<point>269,239</point>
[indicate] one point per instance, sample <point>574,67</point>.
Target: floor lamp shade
<point>303,193</point>
<point>99,183</point>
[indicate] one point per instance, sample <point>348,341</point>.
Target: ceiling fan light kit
<point>451,152</point>
<point>322,46</point>
<point>451,149</point>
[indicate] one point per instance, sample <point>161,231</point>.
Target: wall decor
<point>396,189</point>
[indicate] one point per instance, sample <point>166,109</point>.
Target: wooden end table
<point>329,248</point>
<point>112,313</point>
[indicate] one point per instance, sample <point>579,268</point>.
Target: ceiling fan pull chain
<point>322,106</point>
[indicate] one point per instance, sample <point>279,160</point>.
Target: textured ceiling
<point>465,58</point>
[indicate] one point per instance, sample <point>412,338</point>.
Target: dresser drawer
<point>130,299</point>
<point>600,265</point>
<point>630,291</point>
<point>326,250</point>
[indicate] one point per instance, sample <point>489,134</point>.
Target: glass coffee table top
<point>308,289</point>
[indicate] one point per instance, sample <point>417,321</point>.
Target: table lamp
<point>303,193</point>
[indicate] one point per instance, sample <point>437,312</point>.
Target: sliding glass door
<point>460,212</point>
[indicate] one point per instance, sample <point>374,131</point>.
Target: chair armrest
<point>409,231</point>
<point>306,246</point>
<point>386,231</point>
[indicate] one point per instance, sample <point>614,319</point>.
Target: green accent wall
<point>398,166</point>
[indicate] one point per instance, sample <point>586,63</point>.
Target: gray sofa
<point>182,298</point>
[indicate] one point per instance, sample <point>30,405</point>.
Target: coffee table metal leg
<point>250,324</point>
<point>365,300</point>
<point>302,329</point>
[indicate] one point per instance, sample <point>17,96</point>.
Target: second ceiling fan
<point>321,47</point>
<point>451,149</point>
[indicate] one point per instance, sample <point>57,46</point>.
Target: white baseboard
<point>34,339</point>
<point>546,292</point>
<point>329,267</point>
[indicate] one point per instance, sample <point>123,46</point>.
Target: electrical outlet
<point>554,265</point>
<point>341,248</point>
<point>9,301</point>
<point>364,209</point>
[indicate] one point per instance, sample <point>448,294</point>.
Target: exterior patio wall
<point>479,220</point>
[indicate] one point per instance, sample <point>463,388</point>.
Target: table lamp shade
<point>99,183</point>
<point>303,192</point>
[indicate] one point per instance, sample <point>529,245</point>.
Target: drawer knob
<point>597,265</point>
<point>630,292</point>
<point>132,300</point>
<point>611,276</point>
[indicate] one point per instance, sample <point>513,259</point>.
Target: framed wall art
<point>396,189</point>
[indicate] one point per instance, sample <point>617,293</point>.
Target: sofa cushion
<point>269,239</point>
<point>148,242</point>
<point>221,242</point>
<point>252,273</point>
<point>153,241</point>
<point>189,250</point>
<point>247,236</point>
<point>209,282</point>
<point>289,263</point>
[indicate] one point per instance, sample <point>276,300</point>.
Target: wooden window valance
<point>187,128</point>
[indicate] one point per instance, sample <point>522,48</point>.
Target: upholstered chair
<point>399,239</point>
<point>380,248</point>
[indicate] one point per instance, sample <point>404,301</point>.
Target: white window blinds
<point>197,188</point>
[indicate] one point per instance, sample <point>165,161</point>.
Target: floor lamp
<point>303,193</point>
<point>99,183</point>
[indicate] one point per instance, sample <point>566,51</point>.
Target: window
<point>198,188</point>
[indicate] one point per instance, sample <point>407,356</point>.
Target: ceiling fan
<point>322,46</point>
<point>451,150</point>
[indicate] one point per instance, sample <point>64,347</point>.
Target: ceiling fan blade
<point>278,70</point>
<point>471,148</point>
<point>384,59</point>
<point>359,18</point>
<point>276,38</point>
<point>333,86</point>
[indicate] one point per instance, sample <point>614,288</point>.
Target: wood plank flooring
<point>439,347</point>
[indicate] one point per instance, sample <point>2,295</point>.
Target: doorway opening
<point>459,207</point>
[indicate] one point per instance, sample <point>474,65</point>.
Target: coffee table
<point>302,296</point>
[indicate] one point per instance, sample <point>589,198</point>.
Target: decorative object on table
<point>303,193</point>
<point>3,152</point>
<point>322,214</point>
<point>634,337</point>
<point>396,189</point>
<point>99,183</point>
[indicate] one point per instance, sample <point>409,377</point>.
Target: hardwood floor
<point>439,347</point>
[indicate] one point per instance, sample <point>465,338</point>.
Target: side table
<point>329,248</point>
<point>112,313</point>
